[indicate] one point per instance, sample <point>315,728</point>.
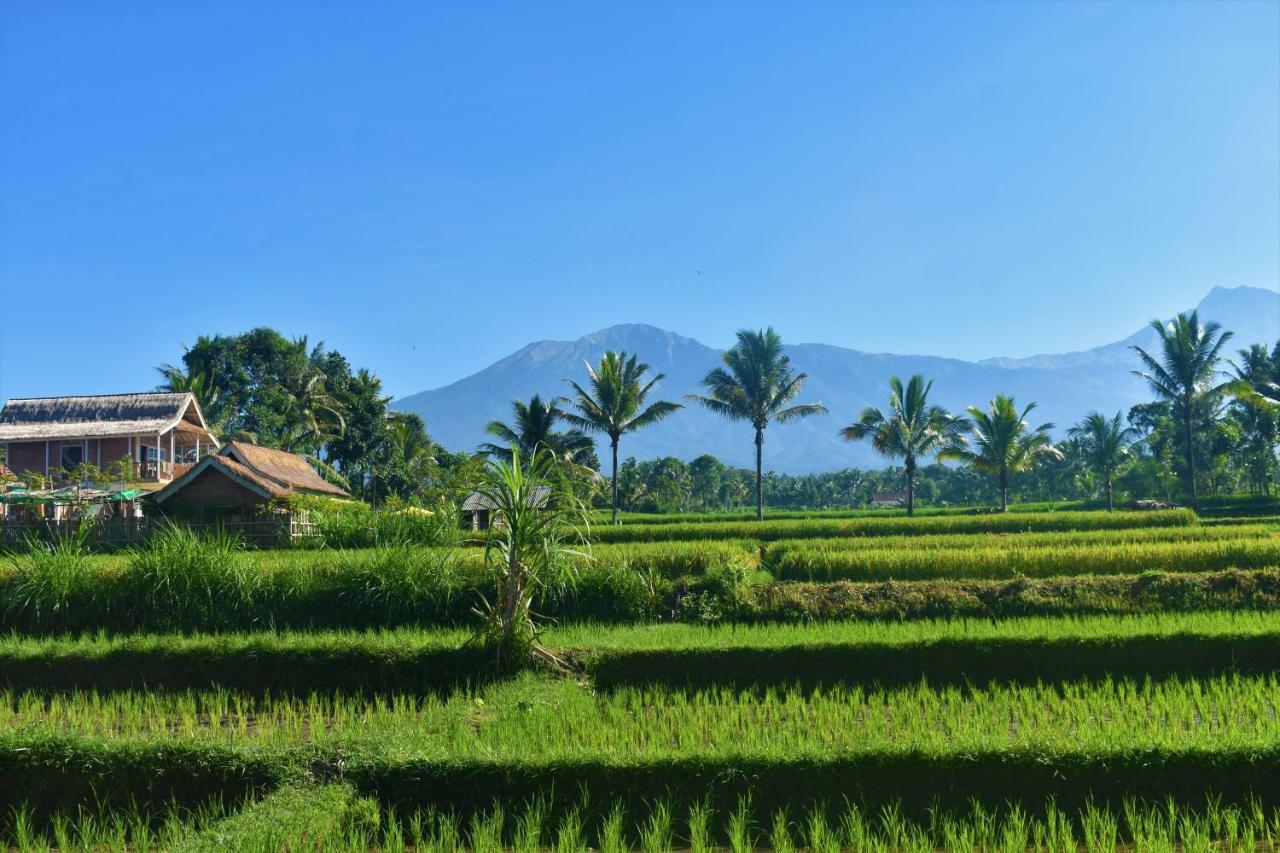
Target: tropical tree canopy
<point>1104,446</point>
<point>533,426</point>
<point>615,405</point>
<point>1183,372</point>
<point>1001,442</point>
<point>911,429</point>
<point>757,384</point>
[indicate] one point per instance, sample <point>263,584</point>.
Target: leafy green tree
<point>1183,376</point>
<point>670,484</point>
<point>1002,443</point>
<point>533,426</point>
<point>1257,409</point>
<point>757,384</point>
<point>615,405</point>
<point>1104,447</point>
<point>706,474</point>
<point>911,430</point>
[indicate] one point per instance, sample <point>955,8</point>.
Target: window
<point>72,457</point>
<point>149,453</point>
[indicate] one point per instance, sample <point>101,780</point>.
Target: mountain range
<point>1065,385</point>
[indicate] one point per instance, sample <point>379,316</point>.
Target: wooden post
<point>171,450</point>
<point>46,460</point>
<point>159,438</point>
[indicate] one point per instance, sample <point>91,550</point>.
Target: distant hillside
<point>1065,386</point>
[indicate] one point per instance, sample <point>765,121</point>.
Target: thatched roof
<point>538,497</point>
<point>287,468</point>
<point>99,416</point>
<point>270,473</point>
<point>273,474</point>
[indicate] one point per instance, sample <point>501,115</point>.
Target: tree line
<point>1207,429</point>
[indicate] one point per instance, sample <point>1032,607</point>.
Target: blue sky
<point>427,187</point>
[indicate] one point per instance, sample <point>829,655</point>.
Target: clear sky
<point>427,187</point>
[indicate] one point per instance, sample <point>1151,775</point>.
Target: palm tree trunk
<point>1110,502</point>
<point>911,487</point>
<point>759,476</point>
<point>614,479</point>
<point>1004,489</point>
<point>1191,455</point>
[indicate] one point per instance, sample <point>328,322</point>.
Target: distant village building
<point>159,435</point>
<point>888,500</point>
<point>240,481</point>
<point>477,509</point>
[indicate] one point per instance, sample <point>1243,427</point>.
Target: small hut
<point>242,481</point>
<point>477,509</point>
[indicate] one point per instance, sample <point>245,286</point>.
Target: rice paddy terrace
<point>1052,680</point>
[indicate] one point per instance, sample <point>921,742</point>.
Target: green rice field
<point>1049,680</point>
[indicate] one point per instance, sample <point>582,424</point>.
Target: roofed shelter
<point>478,508</point>
<point>160,434</point>
<point>242,479</point>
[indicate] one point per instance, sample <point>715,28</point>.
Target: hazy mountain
<point>1065,386</point>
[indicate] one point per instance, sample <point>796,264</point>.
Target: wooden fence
<point>122,532</point>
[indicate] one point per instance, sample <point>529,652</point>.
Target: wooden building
<point>241,481</point>
<point>477,509</point>
<point>158,435</point>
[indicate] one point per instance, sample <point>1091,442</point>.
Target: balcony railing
<point>157,470</point>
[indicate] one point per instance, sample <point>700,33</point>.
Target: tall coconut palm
<point>912,429</point>
<point>1104,447</point>
<point>1003,443</point>
<point>313,416</point>
<point>615,405</point>
<point>534,426</point>
<point>756,385</point>
<point>1183,374</point>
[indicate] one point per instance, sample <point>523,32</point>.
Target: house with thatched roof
<point>153,436</point>
<point>477,509</point>
<point>241,480</point>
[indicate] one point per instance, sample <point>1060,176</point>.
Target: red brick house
<point>240,481</point>
<point>160,434</point>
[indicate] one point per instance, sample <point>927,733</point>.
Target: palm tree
<point>1003,443</point>
<point>912,429</point>
<point>313,416</point>
<point>1104,446</point>
<point>534,426</point>
<point>1183,375</point>
<point>616,404</point>
<point>1257,376</point>
<point>755,385</point>
<point>200,385</point>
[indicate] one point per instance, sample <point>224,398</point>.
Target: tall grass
<point>49,581</point>
<point>182,578</point>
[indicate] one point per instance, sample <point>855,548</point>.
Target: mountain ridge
<point>1066,386</point>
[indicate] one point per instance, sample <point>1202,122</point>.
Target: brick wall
<point>213,492</point>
